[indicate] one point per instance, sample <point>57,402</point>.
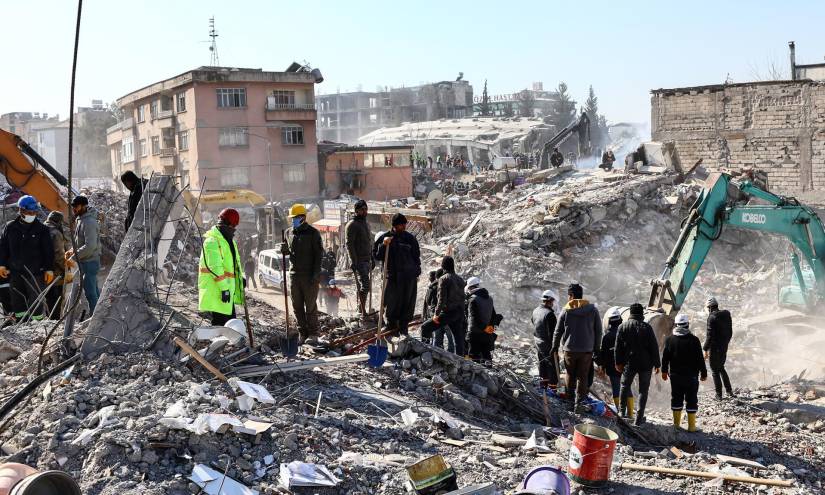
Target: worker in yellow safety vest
<point>220,277</point>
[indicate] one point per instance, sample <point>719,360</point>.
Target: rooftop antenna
<point>213,47</point>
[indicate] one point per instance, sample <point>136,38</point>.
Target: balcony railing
<point>167,152</point>
<point>300,107</point>
<point>114,128</point>
<point>127,123</point>
<point>164,114</point>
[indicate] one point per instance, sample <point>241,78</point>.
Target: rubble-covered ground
<point>114,423</point>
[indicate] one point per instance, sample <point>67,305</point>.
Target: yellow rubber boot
<point>691,421</point>
<point>677,419</point>
<point>631,407</point>
<point>618,402</point>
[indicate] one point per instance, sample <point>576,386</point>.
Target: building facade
<point>345,117</point>
<point>225,128</point>
<point>533,102</point>
<point>377,173</point>
<point>25,123</point>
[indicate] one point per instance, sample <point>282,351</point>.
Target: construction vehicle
<point>26,170</point>
<point>581,127</point>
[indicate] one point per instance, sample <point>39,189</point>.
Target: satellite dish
<point>435,198</point>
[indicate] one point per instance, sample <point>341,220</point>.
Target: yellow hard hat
<point>297,209</point>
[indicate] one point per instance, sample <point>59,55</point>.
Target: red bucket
<point>592,454</point>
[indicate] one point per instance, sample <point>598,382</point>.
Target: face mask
<point>296,222</point>
<point>29,218</point>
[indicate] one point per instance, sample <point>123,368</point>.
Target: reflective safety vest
<point>218,272</point>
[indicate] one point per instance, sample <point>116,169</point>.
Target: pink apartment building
<point>227,128</point>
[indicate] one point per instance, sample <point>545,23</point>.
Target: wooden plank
<point>507,441</point>
<point>286,367</point>
<point>708,475</point>
<point>454,443</point>
<point>738,461</point>
<point>197,357</point>
<point>472,226</point>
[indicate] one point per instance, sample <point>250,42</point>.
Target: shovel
<point>378,352</point>
<point>288,343</point>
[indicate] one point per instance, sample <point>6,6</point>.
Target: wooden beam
<point>705,474</point>
<point>197,357</point>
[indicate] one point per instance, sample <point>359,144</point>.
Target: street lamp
<point>276,125</point>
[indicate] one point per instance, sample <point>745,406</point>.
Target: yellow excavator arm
<point>26,170</point>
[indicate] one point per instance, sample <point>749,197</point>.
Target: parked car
<point>269,268</point>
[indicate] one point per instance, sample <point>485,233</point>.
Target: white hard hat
<point>682,319</point>
<point>237,325</point>
<point>549,294</point>
<point>472,281</point>
<point>614,313</point>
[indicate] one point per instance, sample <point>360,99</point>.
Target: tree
<point>563,110</point>
<point>485,101</point>
<point>526,103</point>
<point>598,127</point>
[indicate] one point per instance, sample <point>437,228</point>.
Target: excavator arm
<point>26,170</point>
<point>721,204</point>
<point>580,126</point>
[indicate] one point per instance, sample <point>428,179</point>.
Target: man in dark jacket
<point>305,250</point>
<point>60,243</point>
<point>607,361</point>
<point>359,247</point>
<point>135,185</point>
<point>481,316</point>
<point>682,360</point>
<point>27,259</point>
<point>637,353</point>
<point>543,320</point>
<point>720,331</point>
<point>428,310</point>
<point>579,333</point>
<point>556,158</point>
<point>403,269</point>
<point>449,306</point>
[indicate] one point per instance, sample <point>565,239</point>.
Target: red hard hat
<point>231,216</point>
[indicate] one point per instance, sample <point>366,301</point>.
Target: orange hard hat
<point>230,216</point>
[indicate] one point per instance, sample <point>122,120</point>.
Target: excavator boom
<point>26,170</point>
<point>580,126</point>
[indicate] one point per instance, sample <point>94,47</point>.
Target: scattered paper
<point>102,418</point>
<point>216,423</point>
<point>303,474</point>
<point>215,483</point>
<point>245,402</point>
<point>409,417</point>
<point>176,410</point>
<point>257,392</point>
<point>536,444</point>
<point>252,427</point>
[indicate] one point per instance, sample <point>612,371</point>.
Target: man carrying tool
<point>87,240</point>
<point>27,259</point>
<point>403,268</point>
<point>482,321</point>
<point>719,333</point>
<point>683,362</point>
<point>359,246</point>
<point>449,306</point>
<point>556,158</point>
<point>305,250</point>
<point>579,333</point>
<point>135,186</point>
<point>637,353</point>
<point>607,361</point>
<point>60,243</point>
<point>428,309</point>
<point>544,324</point>
<point>220,275</point>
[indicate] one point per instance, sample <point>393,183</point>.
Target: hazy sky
<point>623,48</point>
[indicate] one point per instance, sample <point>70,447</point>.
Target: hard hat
<point>549,294</point>
<point>472,282</point>
<point>230,216</point>
<point>614,313</point>
<point>682,319</point>
<point>28,203</point>
<point>711,302</point>
<point>238,326</point>
<point>297,209</point>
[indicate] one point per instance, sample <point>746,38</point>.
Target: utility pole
<point>213,46</point>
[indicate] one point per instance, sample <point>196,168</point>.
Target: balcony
<point>168,157</point>
<point>164,114</point>
<point>289,111</point>
<point>114,128</point>
<point>127,123</point>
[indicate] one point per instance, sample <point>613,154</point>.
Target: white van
<point>269,268</point>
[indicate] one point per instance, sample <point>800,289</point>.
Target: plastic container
<point>591,454</point>
<point>545,479</point>
<point>432,475</point>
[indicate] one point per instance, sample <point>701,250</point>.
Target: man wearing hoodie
<point>719,333</point>
<point>607,361</point>
<point>220,276</point>
<point>579,333</point>
<point>683,362</point>
<point>481,322</point>
<point>449,307</point>
<point>87,239</point>
<point>637,353</point>
<point>135,185</point>
<point>428,309</point>
<point>544,324</point>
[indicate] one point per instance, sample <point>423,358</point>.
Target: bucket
<point>545,479</point>
<point>47,483</point>
<point>591,454</point>
<point>432,475</point>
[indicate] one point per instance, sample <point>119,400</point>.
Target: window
<point>236,176</point>
<point>165,103</point>
<point>141,113</point>
<point>168,137</point>
<point>231,97</point>
<point>155,145</point>
<point>233,136</point>
<point>128,150</point>
<point>295,173</point>
<point>293,134</point>
<point>373,118</point>
<point>144,150</point>
<point>373,102</point>
<point>183,140</point>
<point>181,101</point>
<point>283,98</point>
<point>153,109</point>
<point>117,155</point>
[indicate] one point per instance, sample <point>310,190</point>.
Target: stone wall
<point>776,126</point>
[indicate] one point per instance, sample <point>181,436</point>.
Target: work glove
<point>620,368</point>
<point>664,376</point>
<point>4,272</point>
<point>284,248</point>
<point>225,296</point>
<point>48,277</point>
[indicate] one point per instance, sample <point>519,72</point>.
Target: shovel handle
<point>383,289</point>
<point>283,279</point>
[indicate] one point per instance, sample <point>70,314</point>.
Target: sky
<point>622,48</point>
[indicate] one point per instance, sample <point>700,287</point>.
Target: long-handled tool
<point>288,343</point>
<point>377,352</point>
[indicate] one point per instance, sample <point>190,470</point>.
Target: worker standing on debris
<point>220,281</point>
<point>637,353</point>
<point>544,324</point>
<point>27,259</point>
<point>579,333</point>
<point>482,321</point>
<point>305,250</point>
<point>449,307</point>
<point>135,185</point>
<point>60,244</point>
<point>556,158</point>
<point>607,361</point>
<point>719,334</point>
<point>359,246</point>
<point>683,363</point>
<point>403,269</point>
<point>428,310</point>
<point>87,240</point>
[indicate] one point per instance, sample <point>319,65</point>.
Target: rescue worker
<point>607,160</point>
<point>220,281</point>
<point>305,250</point>
<point>449,308</point>
<point>359,247</point>
<point>637,353</point>
<point>719,333</point>
<point>428,309</point>
<point>544,324</point>
<point>135,185</point>
<point>249,270</point>
<point>60,244</point>
<point>403,269</point>
<point>27,259</point>
<point>87,240</point>
<point>683,363</point>
<point>607,362</point>
<point>579,334</point>
<point>482,321</point>
<point>556,158</point>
